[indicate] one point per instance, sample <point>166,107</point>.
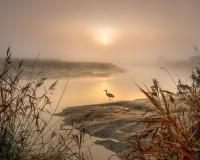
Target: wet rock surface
<point>114,122</point>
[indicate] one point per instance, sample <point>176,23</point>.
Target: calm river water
<point>90,90</point>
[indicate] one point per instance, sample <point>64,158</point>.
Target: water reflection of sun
<point>98,89</point>
<point>104,85</point>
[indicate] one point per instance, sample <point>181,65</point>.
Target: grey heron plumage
<point>109,95</point>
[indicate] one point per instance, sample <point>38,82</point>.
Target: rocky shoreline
<point>115,122</point>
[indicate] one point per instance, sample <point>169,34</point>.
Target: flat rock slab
<point>110,121</point>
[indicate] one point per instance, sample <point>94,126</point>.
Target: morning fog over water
<point>84,83</point>
<point>84,88</point>
<point>99,53</point>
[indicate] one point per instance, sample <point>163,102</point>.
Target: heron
<point>109,95</point>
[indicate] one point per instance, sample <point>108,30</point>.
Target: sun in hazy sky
<point>105,35</point>
<point>101,30</point>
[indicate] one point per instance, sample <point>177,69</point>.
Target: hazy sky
<point>100,30</point>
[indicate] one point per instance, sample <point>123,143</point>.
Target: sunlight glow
<point>105,36</point>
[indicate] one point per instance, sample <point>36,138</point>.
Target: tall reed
<point>27,129</point>
<point>176,134</point>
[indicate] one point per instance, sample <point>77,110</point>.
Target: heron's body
<point>109,95</point>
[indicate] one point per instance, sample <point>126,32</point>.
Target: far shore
<point>65,69</point>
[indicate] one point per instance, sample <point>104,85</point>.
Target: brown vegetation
<point>27,129</point>
<point>175,132</point>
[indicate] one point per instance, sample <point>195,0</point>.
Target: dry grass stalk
<point>177,133</point>
<point>26,131</point>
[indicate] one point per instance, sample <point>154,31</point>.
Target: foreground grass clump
<point>176,134</point>
<point>27,129</point>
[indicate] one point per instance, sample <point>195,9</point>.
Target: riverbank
<point>65,69</point>
<point>115,122</point>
